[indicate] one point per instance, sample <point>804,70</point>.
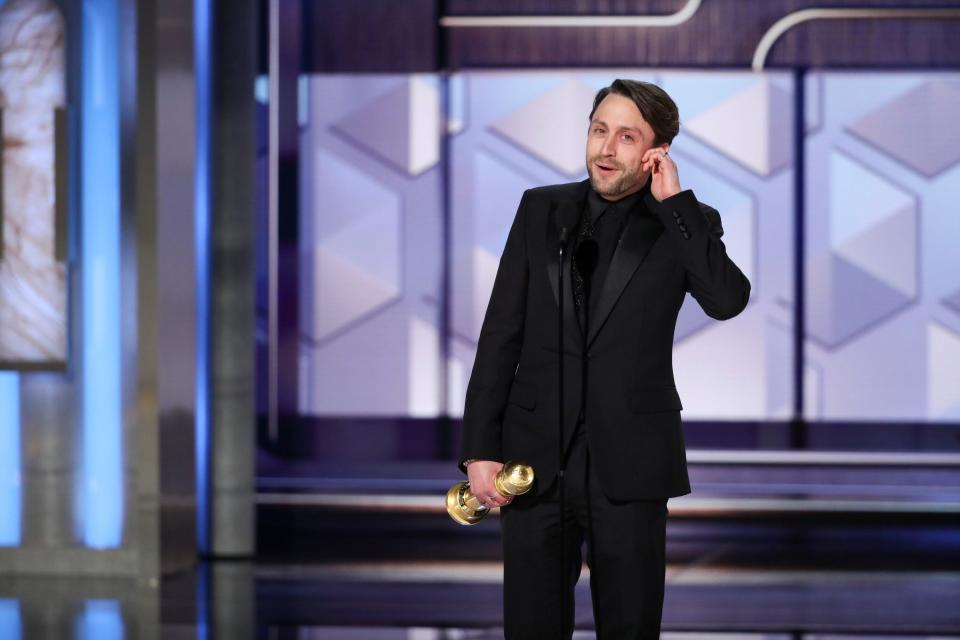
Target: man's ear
<point>665,146</point>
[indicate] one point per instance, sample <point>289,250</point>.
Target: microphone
<point>586,257</point>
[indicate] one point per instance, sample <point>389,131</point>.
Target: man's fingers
<point>486,496</point>
<point>496,498</point>
<point>493,500</point>
<point>482,476</point>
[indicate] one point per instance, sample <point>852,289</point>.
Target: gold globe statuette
<point>514,479</point>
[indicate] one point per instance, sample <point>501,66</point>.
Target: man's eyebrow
<point>601,122</point>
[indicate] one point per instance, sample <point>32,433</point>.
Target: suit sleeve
<point>498,349</point>
<point>713,279</point>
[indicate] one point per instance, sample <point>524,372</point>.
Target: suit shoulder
<point>707,209</point>
<point>713,217</point>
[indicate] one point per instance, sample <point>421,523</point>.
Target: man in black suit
<point>637,244</point>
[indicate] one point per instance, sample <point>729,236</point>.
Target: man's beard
<point>624,183</point>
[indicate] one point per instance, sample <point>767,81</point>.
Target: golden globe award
<point>514,479</point>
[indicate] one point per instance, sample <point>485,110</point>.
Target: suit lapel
<point>639,234</point>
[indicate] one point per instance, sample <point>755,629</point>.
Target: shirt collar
<point>599,205</point>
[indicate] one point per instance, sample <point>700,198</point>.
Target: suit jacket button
<point>686,235</point>
<point>676,214</point>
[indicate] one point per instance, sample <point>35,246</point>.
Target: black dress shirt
<point>610,219</point>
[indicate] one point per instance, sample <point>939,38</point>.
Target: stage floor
<point>712,591</point>
<point>765,551</point>
<point>705,598</point>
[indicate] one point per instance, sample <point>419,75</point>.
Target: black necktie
<point>584,261</point>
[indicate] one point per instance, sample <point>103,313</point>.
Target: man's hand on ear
<point>664,179</point>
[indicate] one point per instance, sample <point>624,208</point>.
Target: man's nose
<point>609,147</point>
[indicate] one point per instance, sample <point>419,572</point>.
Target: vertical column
<point>10,496</point>
<point>165,290</point>
<point>144,254</point>
<point>798,425</point>
<point>284,320</point>
<point>101,490</point>
<point>232,290</point>
<point>203,21</point>
<point>47,461</point>
<point>176,316</point>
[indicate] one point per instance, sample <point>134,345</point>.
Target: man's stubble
<point>624,183</point>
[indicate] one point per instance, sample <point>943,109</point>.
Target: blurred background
<point>247,248</point>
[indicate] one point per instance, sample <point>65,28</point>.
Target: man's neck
<point>643,188</point>
<point>623,202</point>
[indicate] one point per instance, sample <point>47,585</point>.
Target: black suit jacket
<point>631,406</point>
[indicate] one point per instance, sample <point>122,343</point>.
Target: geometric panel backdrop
<point>370,246</point>
<point>371,237</point>
<point>525,129</point>
<point>882,227</point>
<point>882,281</point>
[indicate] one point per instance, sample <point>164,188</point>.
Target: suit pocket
<point>523,395</point>
<point>656,399</point>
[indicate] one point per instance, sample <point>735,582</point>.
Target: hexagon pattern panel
<point>527,129</point>
<point>882,323</point>
<point>882,278</point>
<point>370,246</point>
<point>371,229</point>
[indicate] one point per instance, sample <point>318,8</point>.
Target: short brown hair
<point>656,107</point>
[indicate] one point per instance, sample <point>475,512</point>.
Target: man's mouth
<point>604,168</point>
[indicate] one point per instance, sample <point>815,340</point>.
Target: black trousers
<point>626,555</point>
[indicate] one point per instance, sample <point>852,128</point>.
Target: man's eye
<point>598,130</point>
<point>628,138</point>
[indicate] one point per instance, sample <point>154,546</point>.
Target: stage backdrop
<point>382,184</point>
<point>882,230</point>
<point>400,217</point>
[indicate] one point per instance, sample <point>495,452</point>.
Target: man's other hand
<point>664,178</point>
<point>481,475</point>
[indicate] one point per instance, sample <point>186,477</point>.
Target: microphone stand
<point>560,460</point>
<point>586,261</point>
<point>586,257</point>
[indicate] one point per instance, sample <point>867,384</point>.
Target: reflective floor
<point>880,558</point>
<point>707,600</point>
<point>711,595</point>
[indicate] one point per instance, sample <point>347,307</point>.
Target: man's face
<point>616,141</point>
